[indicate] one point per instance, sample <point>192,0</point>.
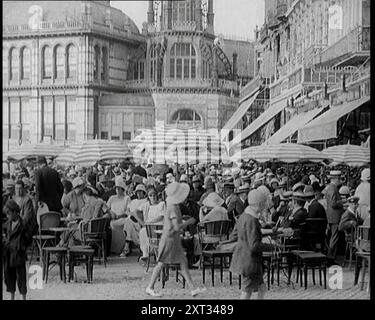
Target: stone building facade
<point>75,70</point>
<point>305,49</point>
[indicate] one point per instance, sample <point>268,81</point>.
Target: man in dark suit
<point>49,188</point>
<point>242,193</point>
<point>298,215</point>
<point>234,204</point>
<point>334,211</point>
<point>314,208</point>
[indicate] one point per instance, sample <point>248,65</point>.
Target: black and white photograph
<point>186,150</point>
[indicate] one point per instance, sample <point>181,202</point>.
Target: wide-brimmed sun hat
<point>141,187</point>
<point>309,191</point>
<point>119,183</point>
<point>259,176</point>
<point>177,192</point>
<point>365,174</point>
<point>213,200</point>
<point>77,182</point>
<point>299,196</point>
<point>286,195</point>
<point>298,185</point>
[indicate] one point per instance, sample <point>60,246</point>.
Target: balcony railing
<point>357,40</point>
<point>85,24</point>
<point>184,26</point>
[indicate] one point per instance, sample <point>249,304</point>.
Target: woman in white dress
<point>133,223</point>
<point>119,205</point>
<point>153,213</point>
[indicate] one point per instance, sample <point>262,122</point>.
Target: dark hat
<point>299,196</point>
<point>41,160</point>
<point>229,185</point>
<point>12,205</point>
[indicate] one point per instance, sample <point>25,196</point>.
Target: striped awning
<point>282,152</point>
<point>29,151</point>
<point>325,126</point>
<point>88,153</point>
<point>348,154</point>
<point>297,122</point>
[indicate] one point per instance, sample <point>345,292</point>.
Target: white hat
<point>177,192</point>
<point>344,190</point>
<point>77,182</point>
<point>313,178</point>
<point>365,174</point>
<point>183,178</point>
<point>119,183</point>
<point>213,200</point>
<point>335,173</point>
<point>259,177</point>
<point>140,187</point>
<point>256,198</point>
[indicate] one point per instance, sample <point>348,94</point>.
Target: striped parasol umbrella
<point>348,154</point>
<point>88,153</point>
<point>32,151</point>
<point>160,145</point>
<point>282,152</point>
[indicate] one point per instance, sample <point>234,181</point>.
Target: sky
<point>236,18</point>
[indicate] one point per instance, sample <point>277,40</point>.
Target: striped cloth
<point>29,151</point>
<point>282,152</point>
<point>348,154</point>
<point>88,153</point>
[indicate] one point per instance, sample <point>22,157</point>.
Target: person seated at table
<point>350,219</point>
<point>94,208</point>
<point>213,209</point>
<point>73,202</point>
<point>132,224</point>
<point>295,217</point>
<point>284,207</point>
<point>118,204</point>
<point>153,213</point>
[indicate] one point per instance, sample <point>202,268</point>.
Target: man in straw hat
<point>350,218</point>
<point>247,258</point>
<point>334,211</point>
<point>170,247</point>
<point>314,208</point>
<point>233,203</point>
<point>243,192</point>
<point>363,193</point>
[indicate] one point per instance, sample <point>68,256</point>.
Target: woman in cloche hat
<point>170,247</point>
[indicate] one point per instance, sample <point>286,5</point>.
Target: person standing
<point>247,258</point>
<point>334,211</point>
<point>49,188</point>
<point>363,193</point>
<point>14,251</point>
<point>170,247</point>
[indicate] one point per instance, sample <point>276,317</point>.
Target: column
<point>150,12</point>
<point>210,14</point>
<point>35,116</point>
<point>169,14</point>
<point>198,14</point>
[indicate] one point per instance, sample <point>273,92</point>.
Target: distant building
<point>75,70</point>
<point>309,55</point>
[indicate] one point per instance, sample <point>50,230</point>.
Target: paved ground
<point>125,279</point>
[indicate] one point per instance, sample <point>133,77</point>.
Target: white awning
<point>239,113</point>
<point>264,117</point>
<point>294,124</point>
<point>325,126</point>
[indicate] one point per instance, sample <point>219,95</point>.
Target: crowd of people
<point>251,196</point>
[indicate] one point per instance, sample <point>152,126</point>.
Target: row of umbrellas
<point>191,151</point>
<point>351,155</point>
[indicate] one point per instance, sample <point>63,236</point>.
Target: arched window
<point>71,61</point>
<point>153,63</point>
<point>104,63</point>
<point>182,61</point>
<point>47,62</point>
<point>96,62</point>
<point>139,68</point>
<point>187,116</point>
<point>59,62</point>
<point>13,64</point>
<point>25,63</point>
